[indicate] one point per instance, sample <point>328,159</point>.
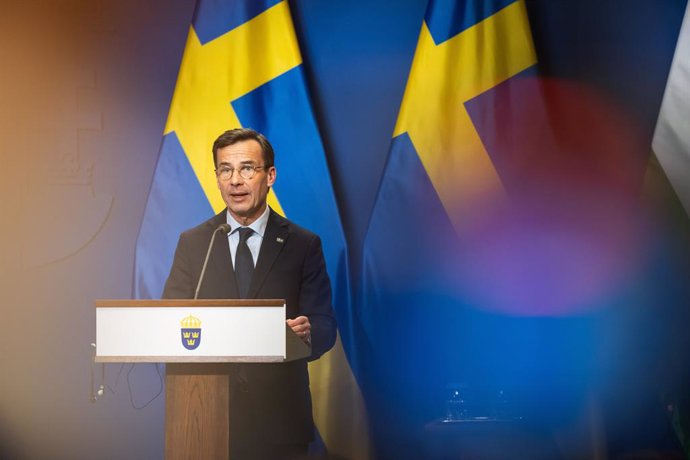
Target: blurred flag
<point>242,67</point>
<point>667,186</point>
<point>671,143</point>
<point>465,48</point>
<point>437,175</point>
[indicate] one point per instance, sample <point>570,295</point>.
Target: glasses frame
<point>246,172</point>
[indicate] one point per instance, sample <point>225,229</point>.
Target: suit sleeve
<point>180,282</point>
<point>315,300</point>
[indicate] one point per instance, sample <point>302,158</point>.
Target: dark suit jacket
<point>268,402</point>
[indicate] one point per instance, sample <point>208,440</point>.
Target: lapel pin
<point>280,240</point>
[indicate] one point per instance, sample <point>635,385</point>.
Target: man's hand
<point>302,327</point>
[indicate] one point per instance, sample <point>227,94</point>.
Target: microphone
<point>225,228</point>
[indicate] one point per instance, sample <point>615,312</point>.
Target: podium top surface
<point>187,303</point>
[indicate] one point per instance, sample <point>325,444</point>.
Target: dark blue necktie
<point>244,264</point>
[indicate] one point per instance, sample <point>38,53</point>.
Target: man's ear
<point>271,173</point>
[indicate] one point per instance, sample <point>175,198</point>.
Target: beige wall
<point>84,92</point>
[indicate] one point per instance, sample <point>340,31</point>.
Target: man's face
<point>245,198</point>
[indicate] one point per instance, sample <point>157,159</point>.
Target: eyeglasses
<point>245,171</point>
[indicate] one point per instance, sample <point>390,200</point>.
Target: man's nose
<point>236,178</point>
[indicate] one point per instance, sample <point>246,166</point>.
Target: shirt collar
<point>259,225</point>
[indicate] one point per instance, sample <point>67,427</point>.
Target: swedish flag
<point>242,67</point>
<point>439,170</point>
<point>438,173</point>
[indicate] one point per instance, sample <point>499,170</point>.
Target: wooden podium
<point>196,338</point>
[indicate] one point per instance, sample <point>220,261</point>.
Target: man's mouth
<point>238,195</point>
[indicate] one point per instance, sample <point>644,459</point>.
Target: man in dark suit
<point>263,256</point>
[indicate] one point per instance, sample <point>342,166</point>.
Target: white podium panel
<point>190,331</point>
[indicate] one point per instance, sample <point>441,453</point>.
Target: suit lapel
<point>274,240</point>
